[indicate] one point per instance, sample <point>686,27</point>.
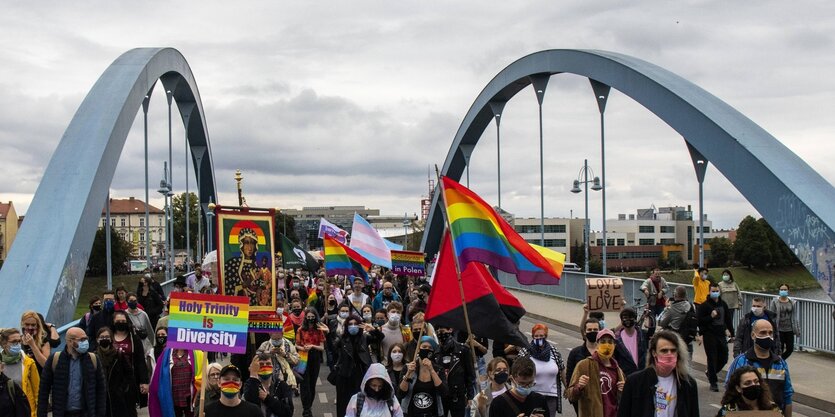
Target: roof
<point>130,206</point>
<point>4,209</point>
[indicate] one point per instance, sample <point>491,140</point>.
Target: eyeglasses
<point>214,376</point>
<point>530,385</point>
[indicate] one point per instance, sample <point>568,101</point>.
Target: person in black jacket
<point>103,318</point>
<point>13,402</point>
<point>715,325</point>
<point>353,359</point>
<point>742,340</point>
<point>651,389</point>
<point>630,349</point>
<point>150,299</point>
<point>56,380</point>
<point>266,387</point>
<point>457,362</point>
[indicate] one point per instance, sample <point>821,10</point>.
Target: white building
<point>127,218</point>
<point>560,233</point>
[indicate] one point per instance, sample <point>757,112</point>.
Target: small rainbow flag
<point>302,365</point>
<point>311,298</point>
<point>481,235</point>
<point>342,260</point>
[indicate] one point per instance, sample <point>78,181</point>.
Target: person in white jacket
<point>376,398</point>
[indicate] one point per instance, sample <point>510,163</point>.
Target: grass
<point>756,280</point>
<point>97,285</point>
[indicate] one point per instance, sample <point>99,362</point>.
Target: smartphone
<point>537,411</point>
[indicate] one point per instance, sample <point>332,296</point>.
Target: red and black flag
<point>492,310</point>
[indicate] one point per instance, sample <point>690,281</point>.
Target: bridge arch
<point>47,262</point>
<point>789,194</point>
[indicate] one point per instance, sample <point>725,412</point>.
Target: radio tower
<point>426,199</point>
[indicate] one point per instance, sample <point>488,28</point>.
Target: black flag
<point>295,257</point>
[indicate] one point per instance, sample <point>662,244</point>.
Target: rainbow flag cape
<point>481,235</point>
<point>342,260</point>
<point>302,365</point>
<point>311,298</point>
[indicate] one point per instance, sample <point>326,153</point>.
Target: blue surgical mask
<point>83,346</point>
<point>784,293</point>
<point>353,330</point>
<point>275,342</point>
<point>602,324</point>
<point>714,294</point>
<point>108,305</point>
<point>15,349</point>
<point>523,391</point>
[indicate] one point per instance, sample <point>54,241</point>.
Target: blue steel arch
<point>789,194</point>
<point>46,264</point>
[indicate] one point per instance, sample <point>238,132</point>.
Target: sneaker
<point>714,387</point>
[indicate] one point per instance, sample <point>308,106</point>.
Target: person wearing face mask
<point>664,388</point>
<point>266,389</point>
<point>742,339</point>
<point>630,347</point>
<point>714,324</point>
<point>396,365</point>
<point>550,369</point>
<point>420,327</point>
<point>353,359</point>
<point>176,383</point>
<point>141,324</point>
<point>296,285</point>
<point>74,379</point>
<point>103,318</point>
<point>788,327</point>
<point>497,384</point>
<point>288,328</point>
<point>730,292</point>
<point>746,391</point>
<point>680,317</point>
<point>19,367</point>
<point>310,343</point>
<point>150,299</point>
<point>376,396</point>
<point>774,369</point>
<point>597,381</point>
<point>394,332</point>
<point>367,313</point>
<point>160,340</point>
<point>13,401</point>
<point>284,356</point>
<point>385,297</point>
<point>456,360</point>
<point>296,314</point>
<point>423,386</point>
<point>127,344</point>
<point>521,400</point>
<point>95,307</point>
<point>230,403</point>
<point>37,338</point>
<point>591,328</point>
<point>701,285</point>
<point>122,393</point>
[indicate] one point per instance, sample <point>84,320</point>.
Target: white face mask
<point>397,357</point>
<point>394,318</point>
<point>279,311</point>
<point>758,311</point>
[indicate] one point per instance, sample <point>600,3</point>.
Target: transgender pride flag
<point>368,243</point>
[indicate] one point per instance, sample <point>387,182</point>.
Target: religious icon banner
<point>245,251</point>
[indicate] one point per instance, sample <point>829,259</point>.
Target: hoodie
<point>675,315</point>
<point>372,407</point>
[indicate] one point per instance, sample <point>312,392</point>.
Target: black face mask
<point>500,377</point>
<point>96,307</point>
<point>297,311</point>
<point>311,320</point>
<point>444,338</point>
<point>376,395</point>
<point>161,340</point>
<point>752,393</point>
<point>105,343</point>
<point>591,337</point>
<point>120,327</point>
<point>628,323</point>
<point>764,343</point>
<point>425,354</point>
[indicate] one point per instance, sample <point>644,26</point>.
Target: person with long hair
<point>127,344</point>
<point>396,365</point>
<point>310,343</point>
<point>353,359</point>
<point>19,367</point>
<point>664,387</point>
<point>212,383</point>
<point>788,327</point>
<point>424,384</point>
<point>746,390</point>
<point>498,373</point>
<point>122,392</point>
<point>35,340</point>
<point>729,292</point>
<point>550,369</point>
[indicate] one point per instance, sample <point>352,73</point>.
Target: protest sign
<point>212,323</point>
<point>266,324</point>
<point>604,294</point>
<point>408,263</point>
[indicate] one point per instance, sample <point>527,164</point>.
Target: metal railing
<point>817,328</point>
<point>62,331</point>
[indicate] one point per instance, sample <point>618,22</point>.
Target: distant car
<point>571,266</point>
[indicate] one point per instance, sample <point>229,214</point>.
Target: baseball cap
<point>230,368</point>
<point>606,332</point>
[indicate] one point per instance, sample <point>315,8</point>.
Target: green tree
<point>752,247</point>
<point>781,254</point>
<point>179,205</point>
<point>721,251</point>
<point>286,225</point>
<point>120,253</point>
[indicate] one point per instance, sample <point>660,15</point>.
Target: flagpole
<point>470,335</point>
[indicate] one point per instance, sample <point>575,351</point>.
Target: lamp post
<point>238,179</point>
<point>583,178</point>
<point>405,232</point>
<point>165,190</point>
<point>210,214</point>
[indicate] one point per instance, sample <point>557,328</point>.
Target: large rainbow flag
<point>481,235</point>
<point>342,260</point>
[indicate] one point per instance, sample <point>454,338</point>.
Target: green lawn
<point>757,280</point>
<point>97,285</point>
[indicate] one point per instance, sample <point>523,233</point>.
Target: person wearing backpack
<point>376,397</point>
<point>74,379</point>
<point>13,402</point>
<point>680,317</point>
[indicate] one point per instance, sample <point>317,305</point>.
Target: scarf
<point>541,353</point>
<point>10,359</point>
<point>108,357</point>
<point>160,400</point>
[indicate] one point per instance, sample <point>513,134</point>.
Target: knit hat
<point>430,340</point>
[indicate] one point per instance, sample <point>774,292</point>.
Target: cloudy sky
<point>349,103</point>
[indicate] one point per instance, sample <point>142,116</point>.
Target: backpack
<point>689,326</point>
<point>57,355</point>
<point>361,402</point>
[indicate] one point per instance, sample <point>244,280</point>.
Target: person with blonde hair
<point>19,367</point>
<point>212,383</point>
<point>35,339</point>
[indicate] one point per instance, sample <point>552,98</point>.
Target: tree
<point>578,254</point>
<point>781,254</point>
<point>721,250</point>
<point>752,245</point>
<point>286,225</point>
<point>179,205</point>
<point>120,253</point>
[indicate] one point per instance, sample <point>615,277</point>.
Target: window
<point>141,251</point>
<point>123,222</point>
<point>599,242</point>
<point>668,229</point>
<point>705,229</point>
<point>141,222</point>
<point>621,242</point>
<point>527,229</point>
<point>141,236</point>
<point>646,241</point>
<point>610,242</point>
<point>554,228</point>
<point>646,229</point>
<point>668,241</point>
<point>112,222</point>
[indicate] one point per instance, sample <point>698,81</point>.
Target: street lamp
<point>583,178</point>
<point>165,190</point>
<point>406,224</point>
<point>210,214</point>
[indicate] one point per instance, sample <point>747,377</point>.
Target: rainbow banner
<point>342,260</point>
<point>408,263</point>
<point>302,365</point>
<point>266,324</point>
<point>479,234</point>
<point>211,323</point>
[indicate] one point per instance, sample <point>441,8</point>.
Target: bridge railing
<point>817,329</point>
<point>62,331</point>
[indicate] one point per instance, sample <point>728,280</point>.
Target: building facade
<point>560,233</point>
<point>8,228</point>
<point>127,218</point>
<point>307,221</point>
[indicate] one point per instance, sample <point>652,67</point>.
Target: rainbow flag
<point>311,298</point>
<point>481,235</point>
<point>342,260</point>
<point>302,365</point>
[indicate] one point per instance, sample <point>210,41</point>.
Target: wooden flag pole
<point>205,381</point>
<point>417,341</point>
<point>458,274</point>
